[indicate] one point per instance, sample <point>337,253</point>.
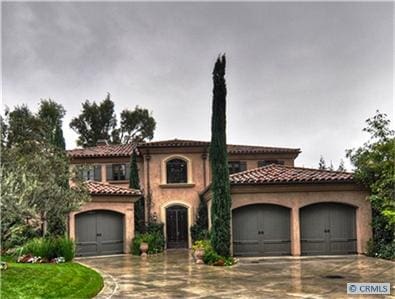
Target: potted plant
<point>199,250</point>
<point>143,248</point>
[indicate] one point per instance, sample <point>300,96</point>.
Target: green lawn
<point>68,280</point>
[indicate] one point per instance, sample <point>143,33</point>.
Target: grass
<point>68,280</point>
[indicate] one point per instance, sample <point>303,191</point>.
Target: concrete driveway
<point>174,275</point>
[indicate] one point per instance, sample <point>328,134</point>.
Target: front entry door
<point>177,227</point>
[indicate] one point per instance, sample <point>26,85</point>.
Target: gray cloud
<point>299,74</point>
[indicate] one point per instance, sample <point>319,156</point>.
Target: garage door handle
<point>327,231</point>
<point>98,235</point>
<point>261,232</point>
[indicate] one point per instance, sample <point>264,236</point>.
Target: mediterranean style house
<point>277,208</point>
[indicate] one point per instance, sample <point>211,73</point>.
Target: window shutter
<point>109,172</point>
<point>97,173</point>
<point>243,166</point>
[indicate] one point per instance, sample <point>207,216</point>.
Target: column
<point>295,231</point>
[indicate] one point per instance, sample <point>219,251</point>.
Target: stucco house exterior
<point>277,208</point>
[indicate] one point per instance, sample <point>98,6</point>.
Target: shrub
<point>381,249</point>
<point>155,240</point>
<point>211,257</point>
<point>50,248</point>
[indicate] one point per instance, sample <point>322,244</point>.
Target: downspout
<point>204,158</point>
<point>148,191</point>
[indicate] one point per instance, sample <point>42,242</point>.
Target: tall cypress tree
<point>221,200</point>
<point>134,182</point>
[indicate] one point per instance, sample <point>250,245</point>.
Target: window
<point>91,173</point>
<point>176,171</point>
<point>268,162</point>
<point>236,166</point>
<point>117,172</point>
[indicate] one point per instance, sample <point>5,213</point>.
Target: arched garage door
<point>99,233</point>
<point>261,230</point>
<point>328,228</point>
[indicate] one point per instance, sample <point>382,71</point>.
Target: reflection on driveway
<point>173,274</point>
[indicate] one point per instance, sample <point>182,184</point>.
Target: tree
<point>22,125</point>
<point>51,114</point>
<point>98,121</point>
<point>374,167</point>
<point>137,125</point>
<point>134,183</point>
<point>199,231</point>
<point>331,167</point>
<point>341,166</point>
<point>321,163</point>
<point>221,200</point>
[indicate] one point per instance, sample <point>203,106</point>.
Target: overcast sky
<point>301,75</point>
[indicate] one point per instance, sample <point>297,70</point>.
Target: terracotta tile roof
<point>126,149</point>
<point>285,174</point>
<point>232,148</point>
<point>98,188</point>
<point>111,150</point>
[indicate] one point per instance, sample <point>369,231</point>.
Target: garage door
<point>328,228</point>
<point>261,230</point>
<point>99,233</point>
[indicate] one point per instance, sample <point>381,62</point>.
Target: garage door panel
<point>261,230</point>
<point>327,228</point>
<point>245,232</point>
<point>98,233</point>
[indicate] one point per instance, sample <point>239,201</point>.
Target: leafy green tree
<point>341,167</point>
<point>374,167</point>
<point>221,200</point>
<point>51,114</point>
<point>331,167</point>
<point>22,125</point>
<point>137,125</point>
<point>134,182</point>
<point>321,163</point>
<point>96,121</point>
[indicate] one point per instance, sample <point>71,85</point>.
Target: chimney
<point>101,142</point>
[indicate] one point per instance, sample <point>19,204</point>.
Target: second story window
<point>268,162</point>
<point>91,173</point>
<point>176,171</point>
<point>237,166</point>
<point>117,172</point>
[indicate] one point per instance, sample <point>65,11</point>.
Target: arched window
<point>176,171</point>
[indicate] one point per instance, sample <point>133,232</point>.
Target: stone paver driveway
<point>174,275</point>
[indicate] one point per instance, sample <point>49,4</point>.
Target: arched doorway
<point>177,227</point>
<point>328,228</point>
<point>99,232</point>
<point>261,229</point>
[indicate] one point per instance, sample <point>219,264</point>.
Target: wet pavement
<point>174,274</point>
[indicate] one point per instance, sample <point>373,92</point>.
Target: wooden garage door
<point>261,230</point>
<point>99,233</point>
<point>328,228</point>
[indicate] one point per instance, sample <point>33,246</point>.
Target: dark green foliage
<point>221,201</point>
<point>51,114</point>
<point>154,236</point>
<point>98,121</point>
<point>210,257</point>
<point>374,168</point>
<point>50,248</point>
<point>341,166</point>
<point>134,183</point>
<point>199,231</point>
<point>137,125</point>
